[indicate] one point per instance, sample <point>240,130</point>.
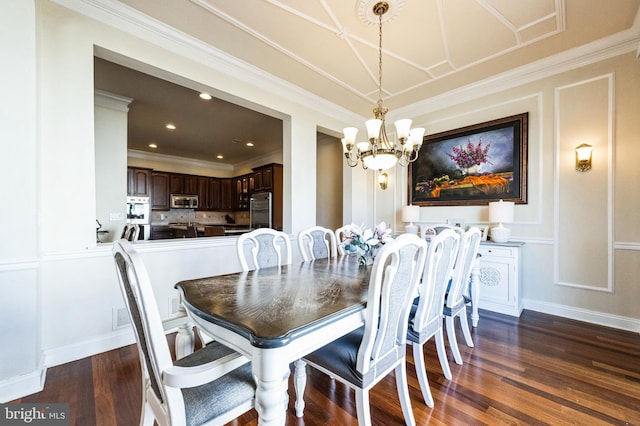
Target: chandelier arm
<point>350,162</point>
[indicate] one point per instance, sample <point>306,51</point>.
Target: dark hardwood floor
<point>535,370</point>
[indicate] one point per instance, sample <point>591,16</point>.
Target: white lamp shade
<point>373,128</point>
<point>416,135</point>
<point>410,213</point>
<point>584,152</point>
<point>380,161</point>
<point>402,127</point>
<point>363,146</point>
<point>350,134</point>
<point>501,211</point>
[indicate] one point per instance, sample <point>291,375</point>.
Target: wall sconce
<point>383,180</point>
<point>583,157</point>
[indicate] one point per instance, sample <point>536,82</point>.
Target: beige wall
<point>582,252</point>
<point>329,182</point>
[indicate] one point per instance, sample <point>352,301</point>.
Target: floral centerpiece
<point>365,243</point>
<point>470,156</point>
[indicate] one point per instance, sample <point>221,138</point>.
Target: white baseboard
<point>594,317</point>
<point>25,384</point>
<point>117,339</point>
<point>76,351</point>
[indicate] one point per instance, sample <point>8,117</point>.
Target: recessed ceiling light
<point>220,157</point>
<point>153,145</point>
<point>249,143</point>
<point>170,126</point>
<point>205,96</point>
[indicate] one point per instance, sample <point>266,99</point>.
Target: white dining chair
<point>425,319</point>
<point>265,246</point>
<point>340,234</point>
<point>456,302</point>
<point>428,231</point>
<point>317,242</point>
<point>213,385</point>
<point>365,356</point>
<point>130,232</point>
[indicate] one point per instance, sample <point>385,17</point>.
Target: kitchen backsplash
<point>207,218</point>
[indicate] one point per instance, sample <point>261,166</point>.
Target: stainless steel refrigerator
<point>260,210</point>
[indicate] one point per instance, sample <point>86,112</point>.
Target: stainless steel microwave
<point>184,201</point>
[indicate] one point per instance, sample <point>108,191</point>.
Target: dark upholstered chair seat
<point>414,336</point>
<point>212,400</point>
<point>340,357</point>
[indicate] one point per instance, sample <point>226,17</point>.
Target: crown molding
<point>180,161</point>
<point>605,48</point>
<point>131,21</point>
<point>112,101</point>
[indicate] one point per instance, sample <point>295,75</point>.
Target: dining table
<point>275,316</point>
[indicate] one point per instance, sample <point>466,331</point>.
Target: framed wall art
<point>473,165</point>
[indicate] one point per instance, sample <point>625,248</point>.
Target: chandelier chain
<point>380,61</point>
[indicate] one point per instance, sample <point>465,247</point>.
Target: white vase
<point>474,170</point>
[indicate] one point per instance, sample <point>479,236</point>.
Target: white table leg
<point>300,383</point>
<point>185,340</point>
<point>271,371</point>
<point>475,292</point>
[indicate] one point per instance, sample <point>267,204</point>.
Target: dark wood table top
<point>272,306</point>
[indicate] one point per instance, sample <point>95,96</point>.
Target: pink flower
<point>471,155</point>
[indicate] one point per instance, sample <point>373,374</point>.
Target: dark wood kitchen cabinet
<point>183,184</point>
<point>190,184</point>
<point>176,183</point>
<point>242,192</point>
<point>160,199</point>
<point>267,178</point>
<point>204,193</point>
<point>215,187</point>
<point>227,194</point>
<point>138,182</point>
<point>214,194</point>
<point>162,232</point>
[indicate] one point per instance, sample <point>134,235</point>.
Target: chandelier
<point>379,153</point>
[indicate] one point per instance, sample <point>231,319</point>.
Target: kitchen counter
<point>179,230</point>
<point>236,231</point>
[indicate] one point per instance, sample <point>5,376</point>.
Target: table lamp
<point>411,214</point>
<point>501,212</point>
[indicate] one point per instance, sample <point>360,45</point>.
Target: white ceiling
<point>430,47</point>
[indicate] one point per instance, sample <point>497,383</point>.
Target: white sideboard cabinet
<point>499,276</point>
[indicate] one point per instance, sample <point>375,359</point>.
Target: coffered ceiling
<point>430,47</point>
